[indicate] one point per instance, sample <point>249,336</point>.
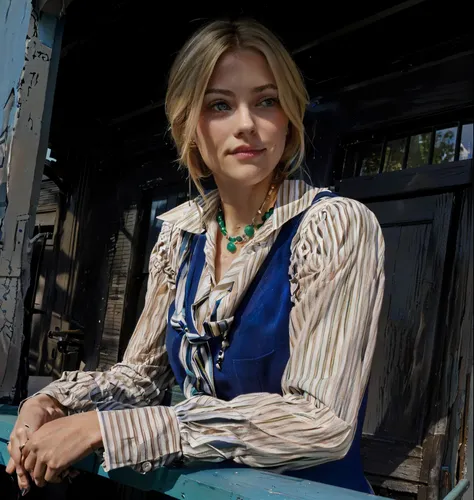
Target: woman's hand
<point>59,444</point>
<point>34,413</point>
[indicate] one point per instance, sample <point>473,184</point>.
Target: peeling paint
<point>23,151</point>
<point>12,40</point>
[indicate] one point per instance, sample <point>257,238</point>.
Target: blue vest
<point>259,347</point>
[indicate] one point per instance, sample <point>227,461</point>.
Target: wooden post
<point>24,162</point>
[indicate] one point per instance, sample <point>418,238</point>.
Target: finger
<point>10,468</point>
<point>22,436</point>
<point>29,463</point>
<point>25,451</point>
<point>39,473</point>
<point>18,438</point>
<point>22,478</point>
<point>13,449</point>
<point>55,480</point>
<point>55,475</point>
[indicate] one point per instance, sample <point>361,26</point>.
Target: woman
<point>262,302</point>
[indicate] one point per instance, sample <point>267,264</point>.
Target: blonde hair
<point>192,70</point>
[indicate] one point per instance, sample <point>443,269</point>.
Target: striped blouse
<point>336,273</point>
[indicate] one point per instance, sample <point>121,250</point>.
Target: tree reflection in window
<point>394,155</point>
<point>419,151</point>
<point>371,158</point>
<point>445,145</point>
<point>436,146</point>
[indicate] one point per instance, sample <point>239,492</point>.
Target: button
<point>146,467</point>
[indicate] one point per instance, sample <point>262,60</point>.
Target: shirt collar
<point>293,197</point>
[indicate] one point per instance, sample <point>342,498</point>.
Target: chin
<point>248,174</point>
<point>250,178</point>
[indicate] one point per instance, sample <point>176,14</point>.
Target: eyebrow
<point>230,93</point>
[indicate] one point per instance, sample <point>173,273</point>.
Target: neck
<point>241,205</point>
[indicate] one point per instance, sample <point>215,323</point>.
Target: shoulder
<point>334,229</point>
<point>339,214</point>
<point>336,233</point>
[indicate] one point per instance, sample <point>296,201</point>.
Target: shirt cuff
<point>141,438</point>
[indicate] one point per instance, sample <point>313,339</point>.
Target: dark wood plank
<point>418,180</point>
<point>449,402</point>
<point>414,211</point>
<point>391,459</point>
<point>415,253</point>
<point>48,199</point>
<point>398,489</point>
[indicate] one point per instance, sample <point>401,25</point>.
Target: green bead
<point>232,239</point>
<point>224,232</point>
<point>231,247</point>
<point>239,239</point>
<point>249,231</point>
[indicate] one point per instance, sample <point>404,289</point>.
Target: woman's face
<point>242,129</point>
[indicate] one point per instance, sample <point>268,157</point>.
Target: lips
<point>247,151</point>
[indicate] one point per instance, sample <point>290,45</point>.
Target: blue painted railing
<point>210,483</point>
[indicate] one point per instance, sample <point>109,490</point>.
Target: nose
<point>245,121</point>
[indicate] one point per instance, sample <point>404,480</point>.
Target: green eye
<point>269,102</point>
<point>220,106</point>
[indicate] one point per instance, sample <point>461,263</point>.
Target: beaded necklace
<point>249,230</point>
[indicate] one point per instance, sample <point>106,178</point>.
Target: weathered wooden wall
<point>455,375</point>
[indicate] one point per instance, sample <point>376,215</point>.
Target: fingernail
<point>24,491</point>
